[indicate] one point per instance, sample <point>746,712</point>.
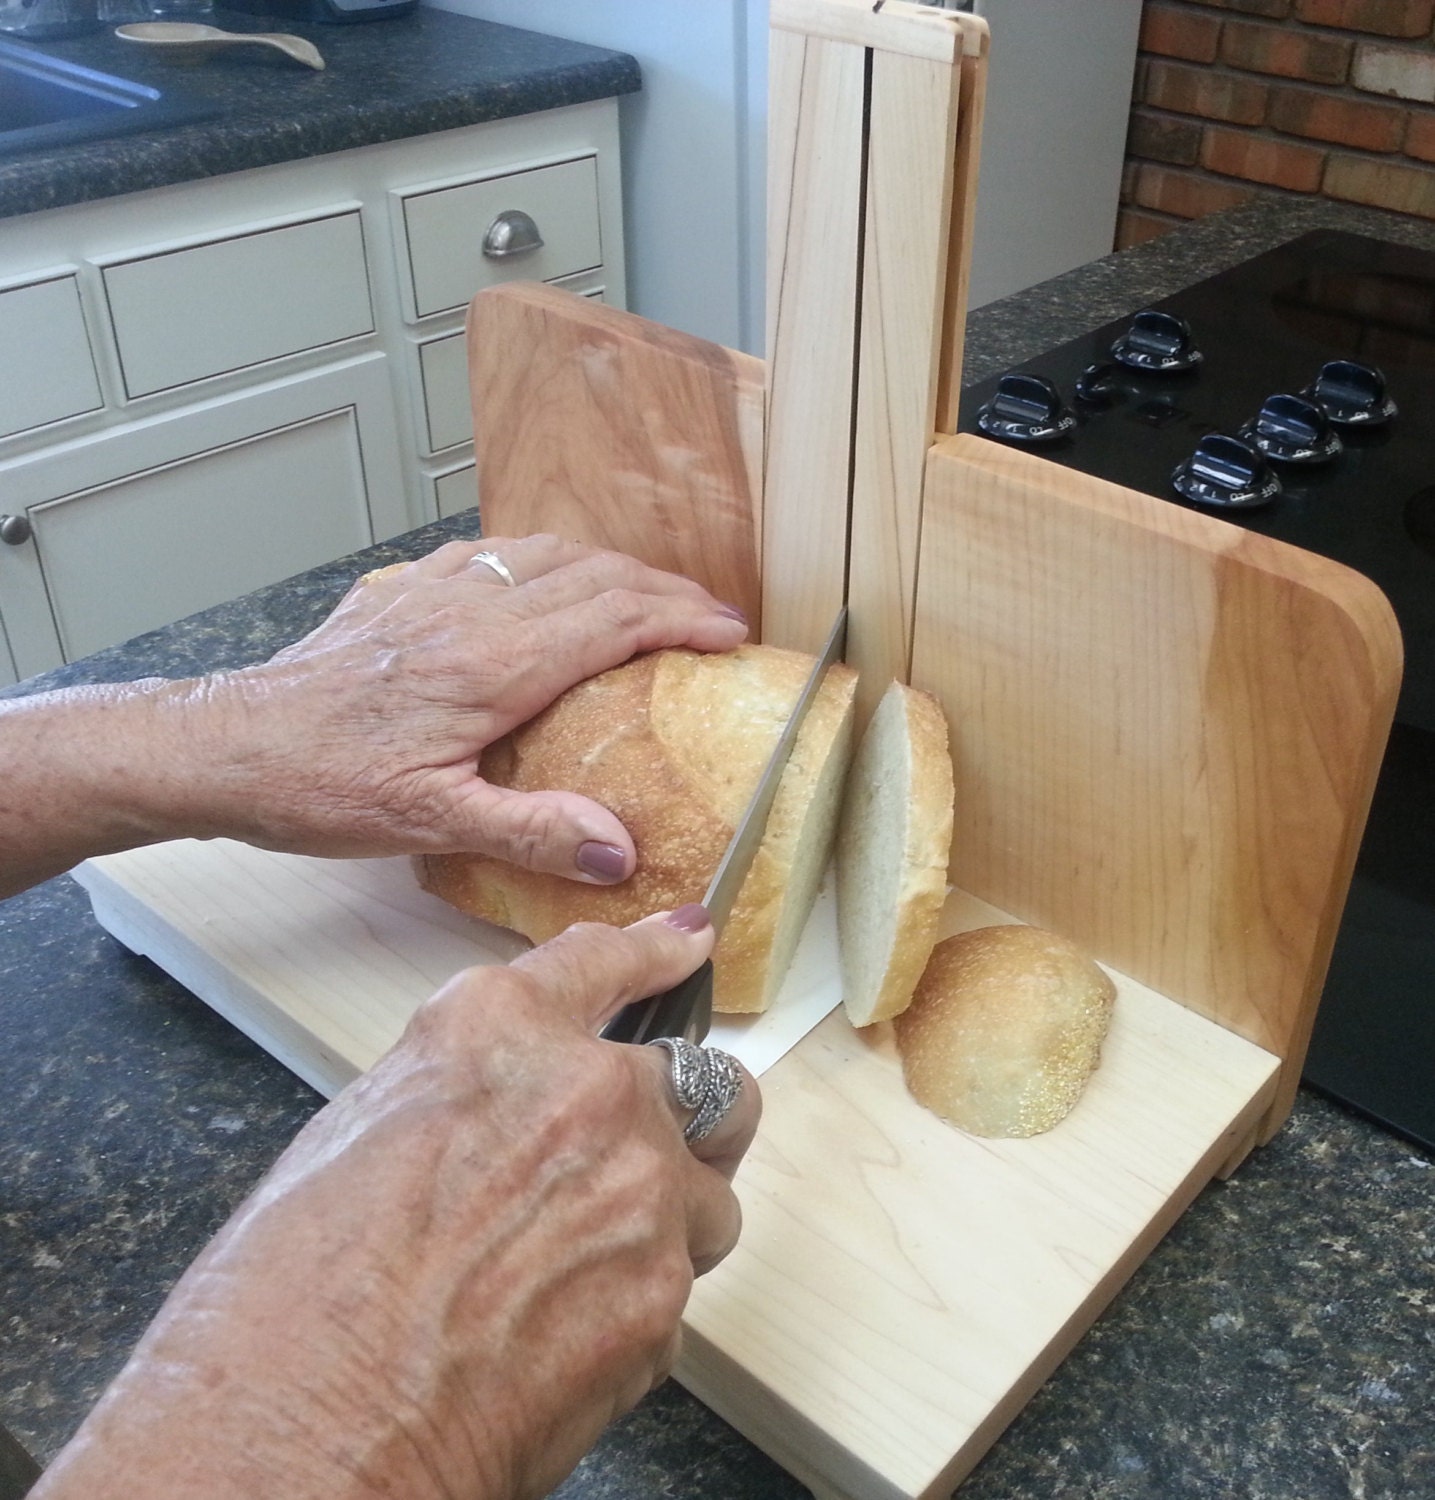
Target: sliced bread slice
<point>892,851</point>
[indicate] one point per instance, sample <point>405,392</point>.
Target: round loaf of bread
<point>674,743</point>
<point>1005,1029</point>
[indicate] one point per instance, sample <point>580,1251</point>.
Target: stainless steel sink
<point>46,101</point>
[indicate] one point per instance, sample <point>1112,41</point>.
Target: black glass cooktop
<point>1271,327</point>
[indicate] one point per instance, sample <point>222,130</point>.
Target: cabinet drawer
<point>444,231</point>
<point>443,364</point>
<point>455,491</point>
<point>184,315</point>
<point>47,371</point>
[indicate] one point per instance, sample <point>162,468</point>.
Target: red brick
<point>1277,10</point>
<point>1185,195</point>
<point>1286,53</point>
<point>1332,117</point>
<point>1163,138</point>
<point>1135,228</point>
<point>1199,91</point>
<point>1420,137</point>
<point>1381,184</point>
<point>1400,72</point>
<point>1383,17</point>
<point>1257,158</point>
<point>1179,33</point>
<point>1129,169</point>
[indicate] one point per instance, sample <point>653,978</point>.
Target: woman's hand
<point>364,737</point>
<point>461,1270</point>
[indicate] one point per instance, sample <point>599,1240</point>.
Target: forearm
<point>94,770</point>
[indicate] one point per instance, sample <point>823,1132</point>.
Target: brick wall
<point>1240,98</point>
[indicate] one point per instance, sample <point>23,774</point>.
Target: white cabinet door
<point>145,524</point>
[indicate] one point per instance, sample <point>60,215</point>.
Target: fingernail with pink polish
<point>605,862</point>
<point>690,918</point>
<point>732,612</point>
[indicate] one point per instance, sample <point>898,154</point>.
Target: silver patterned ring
<point>706,1080</point>
<point>494,561</point>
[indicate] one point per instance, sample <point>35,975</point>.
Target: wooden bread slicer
<point>1166,733</point>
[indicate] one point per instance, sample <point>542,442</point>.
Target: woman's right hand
<point>461,1270</point>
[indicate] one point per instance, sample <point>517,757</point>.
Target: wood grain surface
<point>1166,730</point>
<point>602,426</point>
<point>900,1288</point>
<point>911,145</point>
<point>814,198</point>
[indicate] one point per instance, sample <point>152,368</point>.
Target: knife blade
<point>685,1010</point>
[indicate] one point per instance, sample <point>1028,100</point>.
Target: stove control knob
<point>1157,341</point>
<point>1351,394</point>
<point>1294,431</point>
<point>1227,474</point>
<point>1026,409</point>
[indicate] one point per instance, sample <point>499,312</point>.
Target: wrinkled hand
<point>363,738</point>
<point>459,1272</point>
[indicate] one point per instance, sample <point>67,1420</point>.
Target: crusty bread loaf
<point>674,743</point>
<point>893,845</point>
<point>1005,1029</point>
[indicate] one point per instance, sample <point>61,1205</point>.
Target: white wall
<point>693,150</point>
<point>1058,97</point>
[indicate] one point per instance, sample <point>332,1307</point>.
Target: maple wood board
<point>911,142</point>
<point>605,427</point>
<point>900,1288</point>
<point>1166,730</point>
<point>815,153</point>
<point>323,961</point>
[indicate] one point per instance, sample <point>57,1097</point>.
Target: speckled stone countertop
<point>1279,1344</point>
<point>384,80</point>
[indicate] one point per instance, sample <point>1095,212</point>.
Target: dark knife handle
<point>686,1011</point>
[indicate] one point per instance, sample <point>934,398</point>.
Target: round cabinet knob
<point>1026,409</point>
<point>14,530</point>
<point>1158,341</point>
<point>1351,394</point>
<point>511,233</point>
<point>1294,431</point>
<point>1226,473</point>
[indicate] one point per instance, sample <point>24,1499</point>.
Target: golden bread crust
<point>1005,1029</point>
<point>673,743</point>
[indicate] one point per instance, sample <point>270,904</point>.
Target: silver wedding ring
<point>706,1080</point>
<point>494,561</point>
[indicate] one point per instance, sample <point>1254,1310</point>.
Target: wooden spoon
<point>190,41</point>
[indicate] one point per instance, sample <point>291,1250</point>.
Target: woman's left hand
<point>363,738</point>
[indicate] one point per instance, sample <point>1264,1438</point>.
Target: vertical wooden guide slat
<point>815,129</point>
<point>911,139</point>
<point>867,134</point>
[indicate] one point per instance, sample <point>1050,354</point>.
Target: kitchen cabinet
<point>209,387</point>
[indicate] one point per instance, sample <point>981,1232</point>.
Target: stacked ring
<point>706,1080</point>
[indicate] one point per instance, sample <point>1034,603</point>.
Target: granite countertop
<point>1279,1344</point>
<point>384,80</point>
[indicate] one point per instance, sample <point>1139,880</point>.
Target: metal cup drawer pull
<point>14,530</point>
<point>511,233</point>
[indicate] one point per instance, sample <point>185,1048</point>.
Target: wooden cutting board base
<point>900,1288</point>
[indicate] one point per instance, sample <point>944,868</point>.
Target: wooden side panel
<point>603,426</point>
<point>1166,730</point>
<point>815,150</point>
<point>911,142</point>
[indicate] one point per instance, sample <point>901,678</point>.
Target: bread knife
<point>686,1009</point>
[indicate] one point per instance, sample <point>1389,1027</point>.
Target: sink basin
<point>46,101</point>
